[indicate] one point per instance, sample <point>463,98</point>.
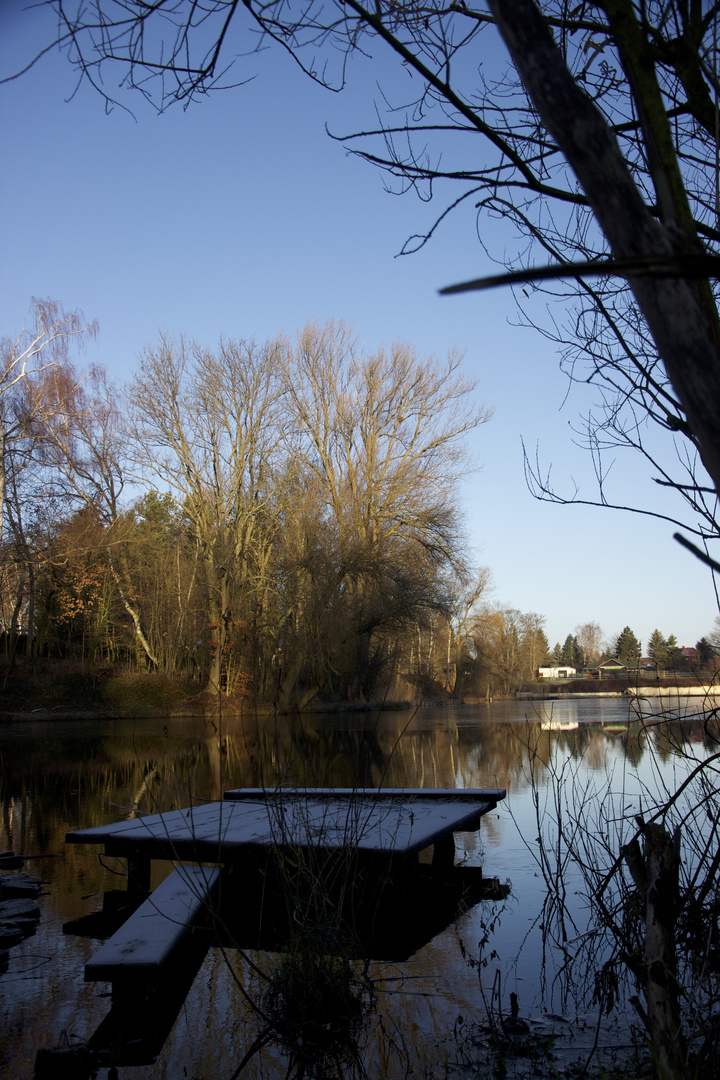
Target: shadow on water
<point>431,990</point>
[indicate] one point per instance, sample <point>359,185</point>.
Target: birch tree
<point>27,396</point>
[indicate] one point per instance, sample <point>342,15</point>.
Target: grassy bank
<point>60,688</point>
<point>56,689</point>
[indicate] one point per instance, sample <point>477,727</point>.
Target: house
<point>609,669</point>
<point>556,672</point>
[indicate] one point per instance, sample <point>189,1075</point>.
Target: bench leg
<point>127,995</point>
<point>444,852</point>
<point>138,886</point>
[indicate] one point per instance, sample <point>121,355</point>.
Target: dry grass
<point>105,689</point>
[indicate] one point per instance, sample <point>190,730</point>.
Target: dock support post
<point>138,885</point>
<point>444,852</point>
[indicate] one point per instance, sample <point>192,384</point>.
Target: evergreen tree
<point>675,658</point>
<point>706,652</point>
<point>628,648</point>
<point>544,645</point>
<point>567,656</point>
<point>658,650</point>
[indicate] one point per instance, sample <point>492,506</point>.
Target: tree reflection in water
<point>73,774</point>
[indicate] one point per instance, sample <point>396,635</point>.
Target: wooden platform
<point>357,839</point>
<point>389,822</point>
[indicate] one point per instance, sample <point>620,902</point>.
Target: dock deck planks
<point>387,823</point>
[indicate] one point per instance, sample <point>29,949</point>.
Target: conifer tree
<point>544,645</point>
<point>675,658</point>
<point>628,648</point>
<point>658,649</point>
<point>706,652</point>
<point>567,656</point>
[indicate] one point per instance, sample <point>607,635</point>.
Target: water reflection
<point>69,775</point>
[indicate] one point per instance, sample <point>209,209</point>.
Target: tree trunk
<point>133,613</point>
<point>680,312</point>
<point>29,644</point>
<point>219,612</point>
<point>655,873</point>
<point>15,626</point>
<point>288,682</point>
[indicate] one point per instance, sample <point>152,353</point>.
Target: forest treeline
<point>278,520</point>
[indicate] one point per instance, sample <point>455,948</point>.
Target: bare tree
<point>381,438</point>
<point>27,395</point>
<point>163,561</point>
<point>496,651</point>
<point>206,427</point>
<point>589,637</point>
<point>82,447</point>
<point>466,593</point>
<point>534,646</point>
<point>383,434</point>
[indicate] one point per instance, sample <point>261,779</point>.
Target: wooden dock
<point>233,854</point>
<point>251,821</point>
<point>379,833</point>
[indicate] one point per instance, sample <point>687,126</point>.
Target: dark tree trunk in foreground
<point>680,312</point>
<point>655,873</point>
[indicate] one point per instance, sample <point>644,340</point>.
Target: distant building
<point>556,672</point>
<point>690,654</point>
<point>607,670</point>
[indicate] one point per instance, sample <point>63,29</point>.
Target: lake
<point>64,775</point>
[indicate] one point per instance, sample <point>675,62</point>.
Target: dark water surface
<point>65,775</point>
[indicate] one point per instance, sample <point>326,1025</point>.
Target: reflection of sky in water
<point>628,764</point>
<point>78,774</point>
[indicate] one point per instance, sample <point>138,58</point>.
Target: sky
<point>240,217</point>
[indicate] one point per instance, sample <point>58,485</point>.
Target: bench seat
<point>147,940</point>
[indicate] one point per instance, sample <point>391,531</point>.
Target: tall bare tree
<point>205,427</point>
<point>467,592</point>
<point>589,637</point>
<point>27,396</point>
<point>382,440</point>
<point>82,446</point>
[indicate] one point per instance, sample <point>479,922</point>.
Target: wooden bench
<point>143,945</point>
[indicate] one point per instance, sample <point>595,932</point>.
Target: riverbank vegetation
<point>279,521</point>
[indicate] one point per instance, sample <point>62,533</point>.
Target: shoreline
<point>712,691</point>
<point>208,709</point>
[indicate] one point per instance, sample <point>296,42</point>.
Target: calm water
<point>61,776</point>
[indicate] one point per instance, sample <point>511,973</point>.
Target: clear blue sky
<point>240,217</point>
